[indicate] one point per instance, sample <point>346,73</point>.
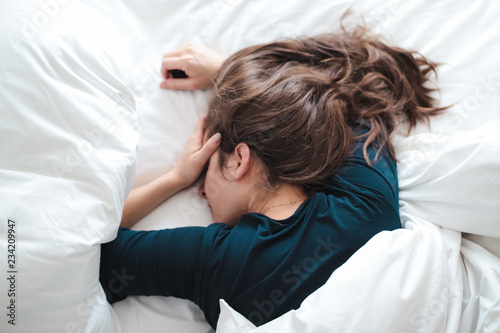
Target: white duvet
<point>440,273</point>
<point>68,138</point>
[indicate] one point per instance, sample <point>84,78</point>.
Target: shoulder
<point>364,194</point>
<point>379,177</point>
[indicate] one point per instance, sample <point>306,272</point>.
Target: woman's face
<point>224,196</point>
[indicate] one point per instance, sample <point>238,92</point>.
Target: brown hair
<point>297,102</point>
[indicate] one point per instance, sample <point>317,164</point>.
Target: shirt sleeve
<point>165,262</point>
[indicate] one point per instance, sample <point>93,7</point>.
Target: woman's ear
<point>240,161</point>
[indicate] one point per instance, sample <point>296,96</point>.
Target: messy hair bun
<point>296,102</point>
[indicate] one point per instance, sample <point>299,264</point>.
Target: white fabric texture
<point>68,140</point>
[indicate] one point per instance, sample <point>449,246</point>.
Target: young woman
<point>301,172</point>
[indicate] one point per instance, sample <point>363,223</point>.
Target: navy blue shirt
<point>261,267</point>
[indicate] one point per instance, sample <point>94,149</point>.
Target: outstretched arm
<point>198,62</point>
<point>194,157</point>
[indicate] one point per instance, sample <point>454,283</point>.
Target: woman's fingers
<point>195,141</point>
<point>205,148</point>
<point>180,84</point>
<point>200,123</point>
<point>196,153</point>
<point>183,50</point>
<point>176,53</point>
<point>209,147</point>
<point>170,63</point>
<point>184,64</point>
<point>199,63</point>
<point>199,129</point>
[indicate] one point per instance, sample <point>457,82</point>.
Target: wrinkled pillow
<point>68,139</point>
<point>453,181</point>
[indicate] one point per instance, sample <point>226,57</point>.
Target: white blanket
<point>68,139</point>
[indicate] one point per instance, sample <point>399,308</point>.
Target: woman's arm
<point>200,64</point>
<point>144,199</point>
<point>194,157</point>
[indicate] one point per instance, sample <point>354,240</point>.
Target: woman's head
<point>296,102</point>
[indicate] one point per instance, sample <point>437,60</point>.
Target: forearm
<point>132,263</point>
<point>146,198</point>
<point>192,161</point>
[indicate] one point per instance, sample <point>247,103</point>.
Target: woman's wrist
<point>176,178</point>
<point>173,182</point>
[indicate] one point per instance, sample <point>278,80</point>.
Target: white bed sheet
<point>464,35</point>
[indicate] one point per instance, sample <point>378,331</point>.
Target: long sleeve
<point>166,262</point>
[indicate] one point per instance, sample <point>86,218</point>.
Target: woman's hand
<point>196,154</point>
<point>198,62</point>
<point>144,199</point>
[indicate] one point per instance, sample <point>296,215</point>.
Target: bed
<point>84,121</point>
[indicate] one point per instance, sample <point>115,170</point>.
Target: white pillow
<point>68,140</point>
<point>453,181</point>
